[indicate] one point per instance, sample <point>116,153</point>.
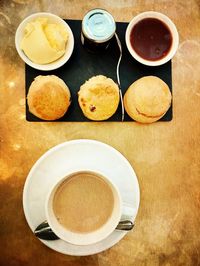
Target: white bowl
<point>171,26</point>
<point>52,18</point>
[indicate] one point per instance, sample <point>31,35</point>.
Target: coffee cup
<point>84,207</point>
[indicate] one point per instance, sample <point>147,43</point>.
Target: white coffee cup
<point>105,230</point>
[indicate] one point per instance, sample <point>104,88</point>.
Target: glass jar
<point>98,28</point>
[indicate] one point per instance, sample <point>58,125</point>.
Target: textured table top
<point>165,155</point>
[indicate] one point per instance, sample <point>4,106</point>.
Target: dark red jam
<point>151,39</point>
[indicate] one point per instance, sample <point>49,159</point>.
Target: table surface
<point>165,155</point>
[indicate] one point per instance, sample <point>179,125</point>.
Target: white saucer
<point>60,160</point>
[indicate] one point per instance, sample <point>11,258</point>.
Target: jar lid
<point>98,25</point>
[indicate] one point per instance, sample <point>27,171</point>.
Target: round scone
<point>48,97</point>
<point>99,98</point>
<point>147,99</point>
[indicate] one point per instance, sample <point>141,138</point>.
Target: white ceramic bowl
<point>52,18</point>
<point>171,26</point>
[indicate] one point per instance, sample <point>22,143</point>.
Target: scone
<point>147,99</point>
<point>99,98</point>
<point>48,97</point>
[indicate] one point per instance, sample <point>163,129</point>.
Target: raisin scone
<point>99,98</point>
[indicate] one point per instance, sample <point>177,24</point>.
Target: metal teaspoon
<point>43,231</point>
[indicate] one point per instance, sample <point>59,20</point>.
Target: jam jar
<point>98,28</point>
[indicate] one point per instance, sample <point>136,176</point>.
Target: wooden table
<point>165,155</point>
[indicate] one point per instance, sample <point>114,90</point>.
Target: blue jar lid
<point>98,25</point>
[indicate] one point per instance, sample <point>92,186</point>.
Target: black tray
<point>83,65</point>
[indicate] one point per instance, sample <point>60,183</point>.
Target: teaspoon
<point>44,231</point>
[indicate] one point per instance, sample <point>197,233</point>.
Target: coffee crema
<point>83,202</point>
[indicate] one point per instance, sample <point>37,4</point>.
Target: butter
<point>44,42</point>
